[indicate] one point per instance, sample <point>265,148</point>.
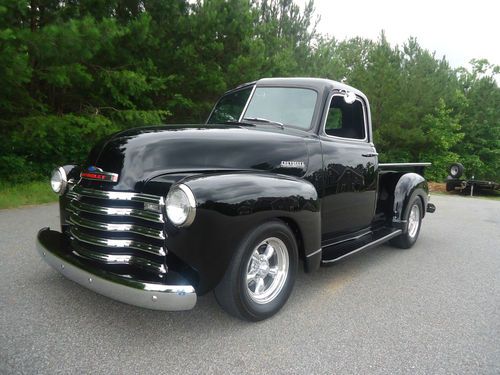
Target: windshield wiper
<point>264,120</point>
<point>236,122</point>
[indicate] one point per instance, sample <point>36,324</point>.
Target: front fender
<point>229,206</point>
<point>407,188</point>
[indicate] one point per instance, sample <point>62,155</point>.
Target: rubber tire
<point>451,183</point>
<point>231,292</point>
<point>404,241</point>
<point>460,171</point>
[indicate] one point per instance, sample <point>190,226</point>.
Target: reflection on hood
<point>138,155</point>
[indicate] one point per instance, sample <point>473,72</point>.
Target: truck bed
<point>410,167</point>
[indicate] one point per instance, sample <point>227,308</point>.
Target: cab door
<point>350,165</point>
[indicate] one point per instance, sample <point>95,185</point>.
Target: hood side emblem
<point>292,164</point>
<point>97,174</point>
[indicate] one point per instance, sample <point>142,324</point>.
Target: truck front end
<point>113,242</point>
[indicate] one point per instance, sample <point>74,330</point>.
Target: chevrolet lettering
<point>293,164</point>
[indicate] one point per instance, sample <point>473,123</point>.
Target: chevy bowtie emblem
<point>95,173</point>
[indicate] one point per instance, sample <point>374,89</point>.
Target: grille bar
<point>116,243</point>
<point>76,206</point>
<point>121,260</point>
<point>118,195</point>
<point>117,228</point>
<point>113,228</point>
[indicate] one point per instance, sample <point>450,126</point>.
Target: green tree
<point>480,149</point>
<point>81,69</point>
<point>442,132</point>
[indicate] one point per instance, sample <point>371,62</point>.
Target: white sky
<point>460,30</point>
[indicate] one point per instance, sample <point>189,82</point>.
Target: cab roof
<point>319,84</point>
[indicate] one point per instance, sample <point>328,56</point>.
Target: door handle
<point>370,155</point>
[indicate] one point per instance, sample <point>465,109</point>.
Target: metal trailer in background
<point>467,186</point>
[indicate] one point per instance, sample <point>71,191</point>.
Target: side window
<point>345,120</point>
<point>230,106</point>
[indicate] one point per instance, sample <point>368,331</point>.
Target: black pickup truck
<point>284,172</point>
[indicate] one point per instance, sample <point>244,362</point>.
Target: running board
<point>374,243</point>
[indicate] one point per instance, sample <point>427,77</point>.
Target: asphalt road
<point>432,309</point>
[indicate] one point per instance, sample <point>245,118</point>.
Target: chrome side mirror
<point>349,97</point>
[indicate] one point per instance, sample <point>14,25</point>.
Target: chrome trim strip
<point>147,295</point>
<point>121,228</point>
<point>314,253</point>
<point>349,239</point>
<point>247,103</point>
<point>374,243</point>
<point>71,195</point>
<point>119,195</point>
<point>121,259</point>
<point>115,211</point>
<point>116,243</point>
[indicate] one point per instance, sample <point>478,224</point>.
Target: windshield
<point>230,106</point>
<point>286,105</point>
<point>289,106</point>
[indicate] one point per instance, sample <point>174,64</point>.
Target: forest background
<point>73,71</point>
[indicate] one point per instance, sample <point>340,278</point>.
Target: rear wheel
<point>413,218</point>
<point>261,275</point>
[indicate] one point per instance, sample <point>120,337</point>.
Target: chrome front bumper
<point>153,296</point>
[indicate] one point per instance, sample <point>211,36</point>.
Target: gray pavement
<point>434,309</point>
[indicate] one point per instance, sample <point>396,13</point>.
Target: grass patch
<point>24,194</point>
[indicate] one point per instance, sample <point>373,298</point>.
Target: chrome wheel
<point>414,221</point>
<point>454,170</point>
<point>267,270</point>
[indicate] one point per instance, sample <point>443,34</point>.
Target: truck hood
<point>138,155</point>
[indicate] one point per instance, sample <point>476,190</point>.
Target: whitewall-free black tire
<point>261,274</point>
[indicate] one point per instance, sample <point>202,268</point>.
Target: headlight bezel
<point>64,180</point>
<point>191,205</point>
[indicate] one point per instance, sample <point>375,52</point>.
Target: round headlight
<point>58,180</point>
<point>181,206</point>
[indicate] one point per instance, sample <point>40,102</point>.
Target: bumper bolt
<point>154,298</point>
<point>90,279</point>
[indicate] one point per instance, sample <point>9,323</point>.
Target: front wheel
<point>261,275</point>
<point>413,218</point>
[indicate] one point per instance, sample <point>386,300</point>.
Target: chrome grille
<point>76,206</point>
<point>114,228</point>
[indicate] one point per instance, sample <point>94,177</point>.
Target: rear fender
<point>409,186</point>
<point>230,206</point>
